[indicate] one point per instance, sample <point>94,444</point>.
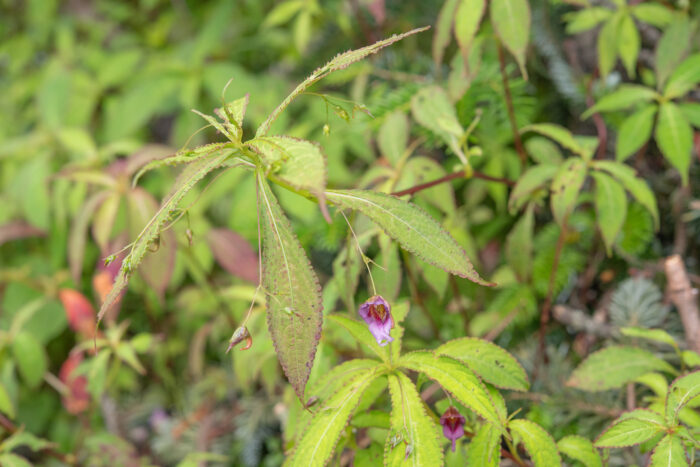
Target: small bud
<point>109,259</point>
<point>326,130</point>
<point>241,334</point>
<point>377,314</point>
<point>188,234</point>
<point>452,425</point>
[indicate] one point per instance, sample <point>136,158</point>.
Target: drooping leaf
<point>670,452</point>
<point>530,181</point>
<point>613,367</point>
<point>294,305</point>
<point>634,132</point>
<point>234,254</point>
<point>417,433</point>
<point>684,78</point>
<point>30,357</point>
<point>189,177</point>
<point>455,378</point>
<point>653,13</point>
<point>634,185</point>
<point>538,443</point>
<point>682,390</point>
<point>393,136</point>
<point>320,437</point>
<point>674,136</point>
<point>360,331</point>
<point>610,206</point>
<point>339,62</point>
<point>511,20</point>
<point>483,450</point>
<point>467,19</point>
<point>630,430</point>
<point>565,188</point>
<point>628,44</point>
<point>492,363</point>
<point>626,96</point>
<point>443,28</point>
<point>557,133</point>
<point>414,229</point>
<point>15,230</point>
<point>580,449</point>
<point>586,18</point>
<point>519,245</point>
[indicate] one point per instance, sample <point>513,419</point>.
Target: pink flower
<point>377,314</point>
<point>452,425</point>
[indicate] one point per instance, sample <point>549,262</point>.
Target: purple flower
<point>377,314</point>
<point>452,425</point>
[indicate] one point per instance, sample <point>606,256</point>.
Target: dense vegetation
<point>352,232</point>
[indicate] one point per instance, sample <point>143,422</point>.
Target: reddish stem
<point>452,176</point>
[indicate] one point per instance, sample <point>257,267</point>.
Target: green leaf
<point>628,44</point>
<point>692,359</point>
<point>467,19</point>
<point>674,136</point>
<point>484,448</point>
<point>6,405</point>
<point>294,162</point>
<point>585,19</point>
<point>691,110</point>
<point>627,95</point>
<point>13,460</point>
<point>610,206</point>
<point>684,78</point>
<point>414,229</point>
<point>634,185</point>
<point>656,335</point>
<point>393,136</point>
<point>455,378</point>
<point>443,28</point>
<point>580,449</point>
<point>682,390</point>
<point>283,12</point>
<point>529,182</point>
<point>671,48</point>
<point>538,443</point>
<point>492,363</point>
<point>565,188</point>
<point>189,177</point>
<point>557,133</point>
<point>30,357</point>
<point>418,434</point>
<point>511,21</point>
<point>615,366</point>
<point>653,13</point>
<point>634,132</point>
<point>670,452</point>
<point>339,62</point>
<point>24,438</point>
<point>360,331</point>
<point>319,438</point>
<point>519,246</point>
<point>607,45</point>
<point>629,431</point>
<point>78,233</point>
<point>372,418</point>
<point>432,109</point>
<point>104,220</point>
<point>294,304</point>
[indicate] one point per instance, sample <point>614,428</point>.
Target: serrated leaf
<point>653,13</point>
<point>628,44</point>
<point>483,450</point>
<point>360,331</point>
<point>30,357</point>
<point>610,206</point>
<point>455,378</point>
<point>671,48</point>
<point>557,133</point>
<point>339,62</point>
<point>6,405</point>
<point>443,28</point>
<point>681,391</point>
<point>634,132</point>
<point>670,452</point>
<point>674,136</point>
<point>432,109</point>
<point>628,432</point>
<point>607,45</point>
<point>467,20</point>
<point>565,188</point>
<point>627,95</point>
<point>318,441</point>
<point>538,443</point>
<point>414,229</point>
<point>518,249</point>
<point>294,304</point>
<point>656,335</point>
<point>418,432</point>
<point>613,367</point>
<point>492,363</point>
<point>184,156</point>
<point>511,20</point>
<point>393,136</point>
<point>634,185</point>
<point>684,78</point>
<point>580,449</point>
<point>585,19</point>
<point>530,181</point>
<point>189,177</point>
<point>232,115</point>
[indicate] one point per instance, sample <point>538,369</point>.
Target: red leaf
<point>77,399</point>
<point>18,229</point>
<point>79,311</point>
<point>234,254</point>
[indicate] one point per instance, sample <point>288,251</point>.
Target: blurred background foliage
<point>93,89</point>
